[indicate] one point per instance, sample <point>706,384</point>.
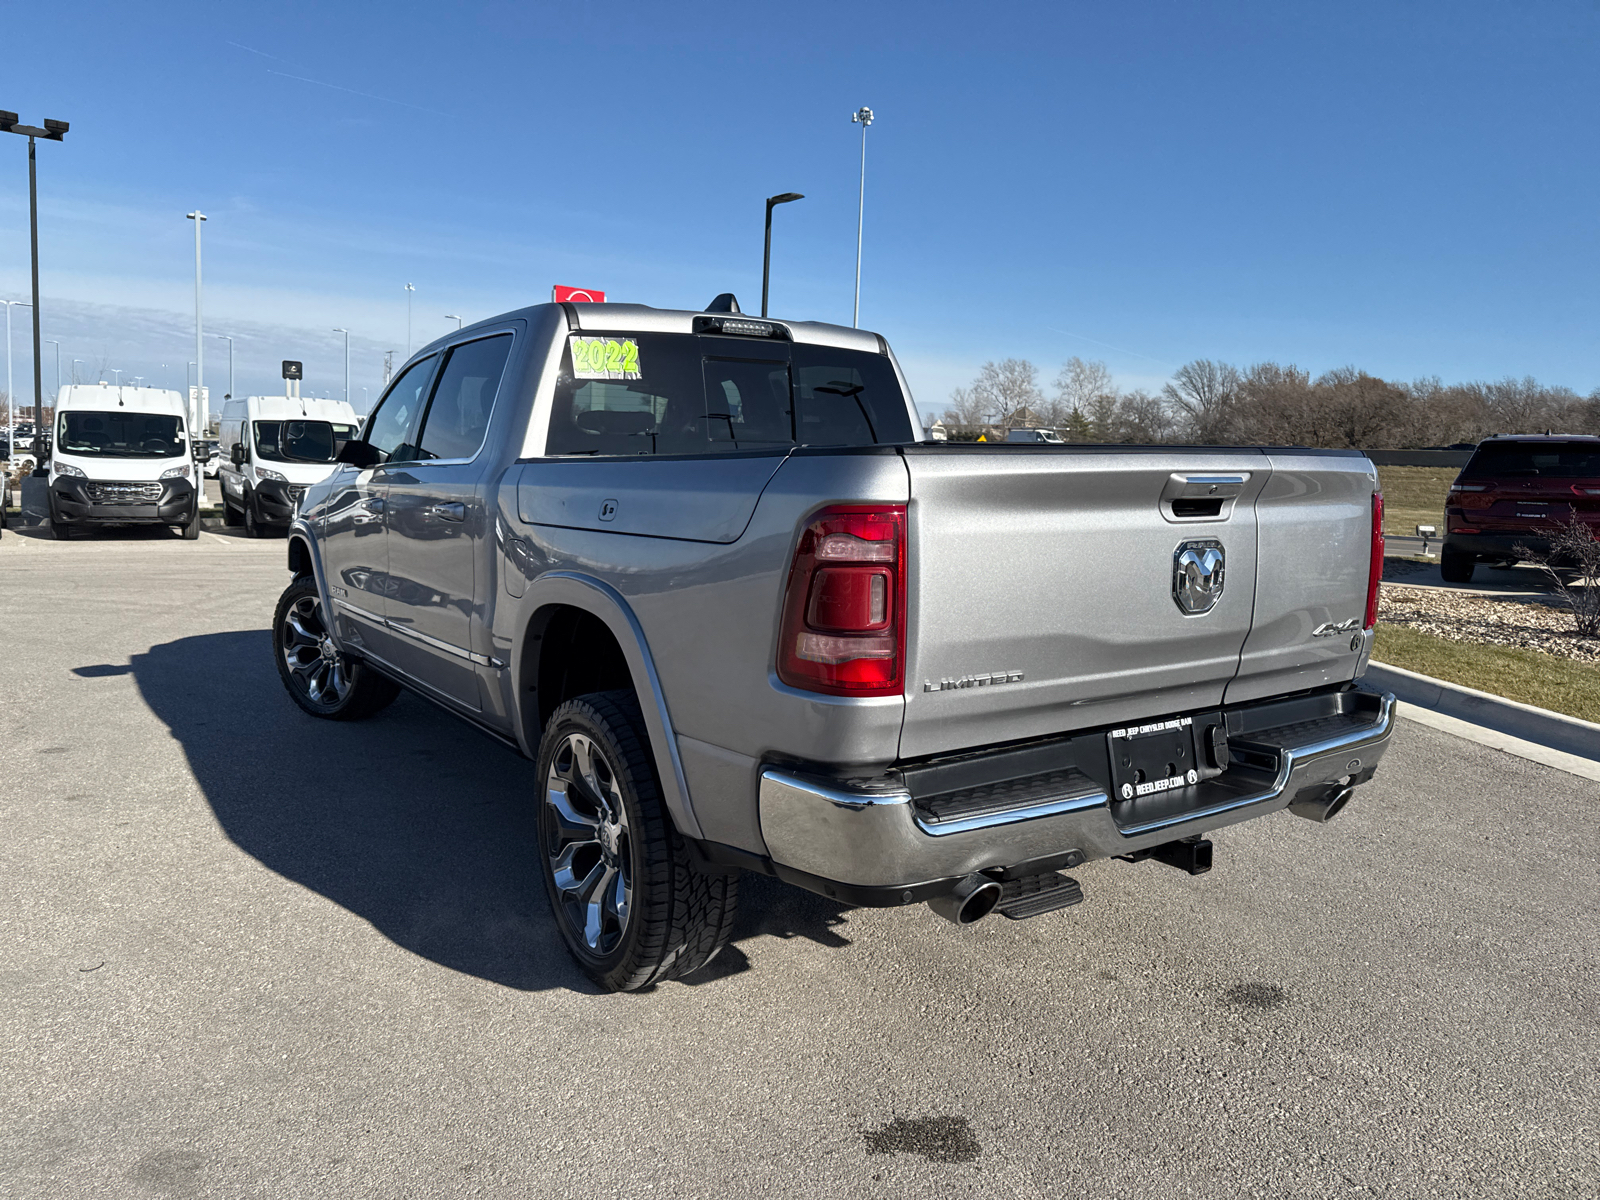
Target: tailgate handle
<point>1201,497</point>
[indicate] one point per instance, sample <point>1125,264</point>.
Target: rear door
<point>1044,587</point>
<point>437,522</point>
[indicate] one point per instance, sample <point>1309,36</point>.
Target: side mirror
<point>236,455</point>
<point>358,454</point>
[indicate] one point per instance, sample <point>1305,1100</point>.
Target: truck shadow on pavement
<point>411,820</point>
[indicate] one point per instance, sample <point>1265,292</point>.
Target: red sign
<point>560,294</point>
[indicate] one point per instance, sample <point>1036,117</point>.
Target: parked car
<point>1512,492</point>
<point>271,449</point>
<point>700,569</point>
<point>122,457</point>
<point>1048,436</point>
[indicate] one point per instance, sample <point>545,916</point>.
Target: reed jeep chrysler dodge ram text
<point>700,568</point>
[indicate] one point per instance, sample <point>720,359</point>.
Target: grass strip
<point>1525,676</point>
<point>1414,496</point>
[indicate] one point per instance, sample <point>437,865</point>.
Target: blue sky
<point>1406,187</point>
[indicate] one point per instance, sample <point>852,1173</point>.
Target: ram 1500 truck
<point>698,567</point>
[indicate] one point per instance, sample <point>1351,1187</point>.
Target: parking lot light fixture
<point>57,345</point>
<point>346,333</point>
<point>11,392</point>
<point>117,371</point>
<point>224,337</point>
<point>76,363</point>
<point>864,116</point>
<point>53,131</point>
<point>766,254</point>
<point>456,319</point>
<point>197,414</point>
<point>409,292</point>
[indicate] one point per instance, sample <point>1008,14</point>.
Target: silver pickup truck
<point>702,570</point>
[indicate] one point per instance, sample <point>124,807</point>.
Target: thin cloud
<point>1119,349</point>
<point>262,53</point>
<point>368,95</point>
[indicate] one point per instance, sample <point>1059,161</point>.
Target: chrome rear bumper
<point>866,836</point>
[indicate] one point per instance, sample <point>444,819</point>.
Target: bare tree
<point>1085,389</point>
<point>1003,393</point>
<point>1204,393</point>
<point>1142,419</point>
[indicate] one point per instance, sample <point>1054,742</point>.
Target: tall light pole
<point>346,333</point>
<point>766,254</point>
<point>224,337</point>
<point>53,131</point>
<point>11,392</point>
<point>75,363</point>
<point>409,291</point>
<point>198,417</point>
<point>864,116</point>
<point>57,345</point>
<point>456,319</point>
<point>117,371</point>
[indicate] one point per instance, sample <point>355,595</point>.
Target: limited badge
<point>605,358</point>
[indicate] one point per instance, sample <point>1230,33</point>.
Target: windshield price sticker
<point>605,358</point>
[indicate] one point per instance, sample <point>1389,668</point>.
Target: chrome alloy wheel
<point>588,843</point>
<point>314,661</point>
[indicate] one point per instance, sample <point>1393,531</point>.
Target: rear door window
<point>1535,460</point>
<point>458,415</point>
<point>710,394</point>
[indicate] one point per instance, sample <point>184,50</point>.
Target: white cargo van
<point>272,449</point>
<point>121,456</point>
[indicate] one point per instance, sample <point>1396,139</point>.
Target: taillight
<point>1375,565</point>
<point>1583,489</point>
<point>844,612</point>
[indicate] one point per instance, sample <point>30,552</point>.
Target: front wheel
<point>319,677</point>
<point>252,527</point>
<point>230,515</point>
<point>191,531</point>
<point>632,906</point>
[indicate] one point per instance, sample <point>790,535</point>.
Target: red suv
<point>1512,491</point>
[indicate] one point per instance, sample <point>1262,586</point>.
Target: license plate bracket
<point>1153,758</point>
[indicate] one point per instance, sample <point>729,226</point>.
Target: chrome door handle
<point>453,511</point>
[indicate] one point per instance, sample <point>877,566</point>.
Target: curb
<point>1538,725</point>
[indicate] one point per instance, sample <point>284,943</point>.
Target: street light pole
<point>346,333</point>
<point>456,319</point>
<point>409,291</point>
<point>57,345</point>
<point>117,371</point>
<point>53,131</point>
<point>11,392</point>
<point>766,254</point>
<point>198,417</point>
<point>864,116</point>
<point>224,337</point>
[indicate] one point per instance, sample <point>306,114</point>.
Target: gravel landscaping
<point>1485,620</point>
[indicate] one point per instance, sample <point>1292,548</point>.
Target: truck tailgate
<point>1041,588</point>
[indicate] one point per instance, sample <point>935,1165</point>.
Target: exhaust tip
<point>1321,806</point>
<point>972,899</point>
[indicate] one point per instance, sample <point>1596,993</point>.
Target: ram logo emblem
<point>1197,570</point>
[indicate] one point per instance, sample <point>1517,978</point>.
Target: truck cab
<point>122,456</point>
<point>271,448</point>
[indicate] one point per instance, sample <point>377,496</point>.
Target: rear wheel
<point>632,905</point>
<point>321,679</point>
<point>1455,567</point>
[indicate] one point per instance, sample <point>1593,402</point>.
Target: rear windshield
<point>673,393</point>
<point>120,434</point>
<point>302,441</point>
<point>1553,460</point>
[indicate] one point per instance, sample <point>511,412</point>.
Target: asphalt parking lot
<point>245,953</point>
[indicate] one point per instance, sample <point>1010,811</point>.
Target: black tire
<point>191,531</point>
<point>252,527</point>
<point>230,515</point>
<point>334,688</point>
<point>1456,567</point>
<point>678,914</point>
<point>59,529</point>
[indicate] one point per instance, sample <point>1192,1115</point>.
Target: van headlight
<point>69,470</point>
<point>275,476</point>
<point>176,472</point>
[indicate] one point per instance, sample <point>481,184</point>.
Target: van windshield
<point>121,434</point>
<point>301,441</point>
